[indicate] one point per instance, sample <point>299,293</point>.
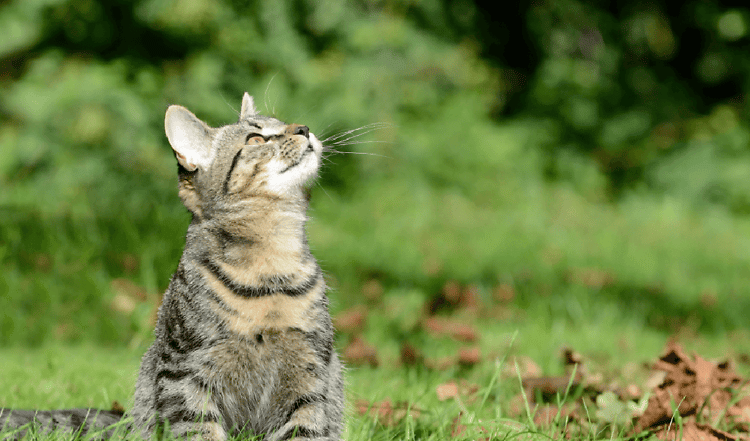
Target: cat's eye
<point>254,139</point>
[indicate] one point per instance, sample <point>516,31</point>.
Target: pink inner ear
<point>181,158</point>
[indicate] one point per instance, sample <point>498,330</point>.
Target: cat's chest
<point>247,314</point>
<point>256,376</point>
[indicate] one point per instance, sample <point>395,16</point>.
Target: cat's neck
<point>260,238</point>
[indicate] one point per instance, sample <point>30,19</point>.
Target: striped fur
<point>244,340</point>
<point>17,424</point>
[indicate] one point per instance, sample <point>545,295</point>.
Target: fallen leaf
<point>117,407</point>
<point>127,295</point>
<point>351,320</point>
<point>458,428</point>
<point>438,326</point>
<point>591,277</point>
<point>372,290</point>
<point>471,299</point>
<point>386,413</point>
<point>521,366</point>
<point>692,431</point>
<point>359,352</point>
<point>504,293</point>
<point>441,364</point>
<point>447,390</point>
<point>410,355</point>
<point>469,356</point>
<point>452,292</point>
<point>550,386</point>
<point>691,386</point>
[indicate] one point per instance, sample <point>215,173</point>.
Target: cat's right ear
<point>189,137</point>
<point>248,107</point>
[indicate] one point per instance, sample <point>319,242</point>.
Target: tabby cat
<point>244,340</point>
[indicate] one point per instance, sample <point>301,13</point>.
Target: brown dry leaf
<point>458,428</point>
<point>351,320</point>
<point>127,295</point>
<point>655,379</point>
<point>467,391</point>
<point>545,415</point>
<point>462,332</point>
<point>437,326</point>
<point>570,357</point>
<point>117,408</point>
<point>372,290</point>
<point>448,298</point>
<point>411,355</point>
<point>471,299</point>
<point>692,431</point>
<point>452,292</point>
<point>630,392</point>
<point>129,288</point>
<point>130,263</point>
<point>359,352</point>
<point>739,414</point>
<point>447,390</point>
<point>517,405</point>
<point>550,385</point>
<point>526,367</point>
<point>591,277</point>
<point>453,296</point>
<point>441,364</point>
<point>385,412</point>
<point>504,293</point>
<point>469,356</point>
<point>691,385</point>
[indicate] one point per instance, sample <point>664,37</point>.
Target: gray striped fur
<point>15,424</point>
<point>244,340</point>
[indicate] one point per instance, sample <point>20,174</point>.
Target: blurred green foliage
<point>519,145</point>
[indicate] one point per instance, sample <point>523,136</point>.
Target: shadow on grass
<point>668,312</point>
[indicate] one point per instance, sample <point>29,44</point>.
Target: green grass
<point>448,191</point>
<point>611,279</point>
<point>60,376</point>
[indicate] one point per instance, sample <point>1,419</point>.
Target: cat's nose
<point>302,130</point>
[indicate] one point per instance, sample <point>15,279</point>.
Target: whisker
<point>324,131</point>
<point>324,190</point>
<point>368,127</point>
<point>358,153</point>
<point>268,86</point>
<point>230,106</point>
<point>363,130</point>
<point>362,142</point>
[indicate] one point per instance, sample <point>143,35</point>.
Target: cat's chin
<point>290,180</point>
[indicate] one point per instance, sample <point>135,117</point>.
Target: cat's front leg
<point>308,421</point>
<point>189,410</point>
<point>199,431</point>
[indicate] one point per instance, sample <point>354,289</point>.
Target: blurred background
<point>572,161</point>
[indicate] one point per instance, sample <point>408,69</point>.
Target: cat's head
<point>258,157</point>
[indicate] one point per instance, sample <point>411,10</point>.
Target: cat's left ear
<point>190,138</point>
<point>248,107</point>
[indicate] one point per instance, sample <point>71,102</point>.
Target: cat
<point>244,340</point>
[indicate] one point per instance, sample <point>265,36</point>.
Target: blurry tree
<point>627,95</point>
<point>653,91</point>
